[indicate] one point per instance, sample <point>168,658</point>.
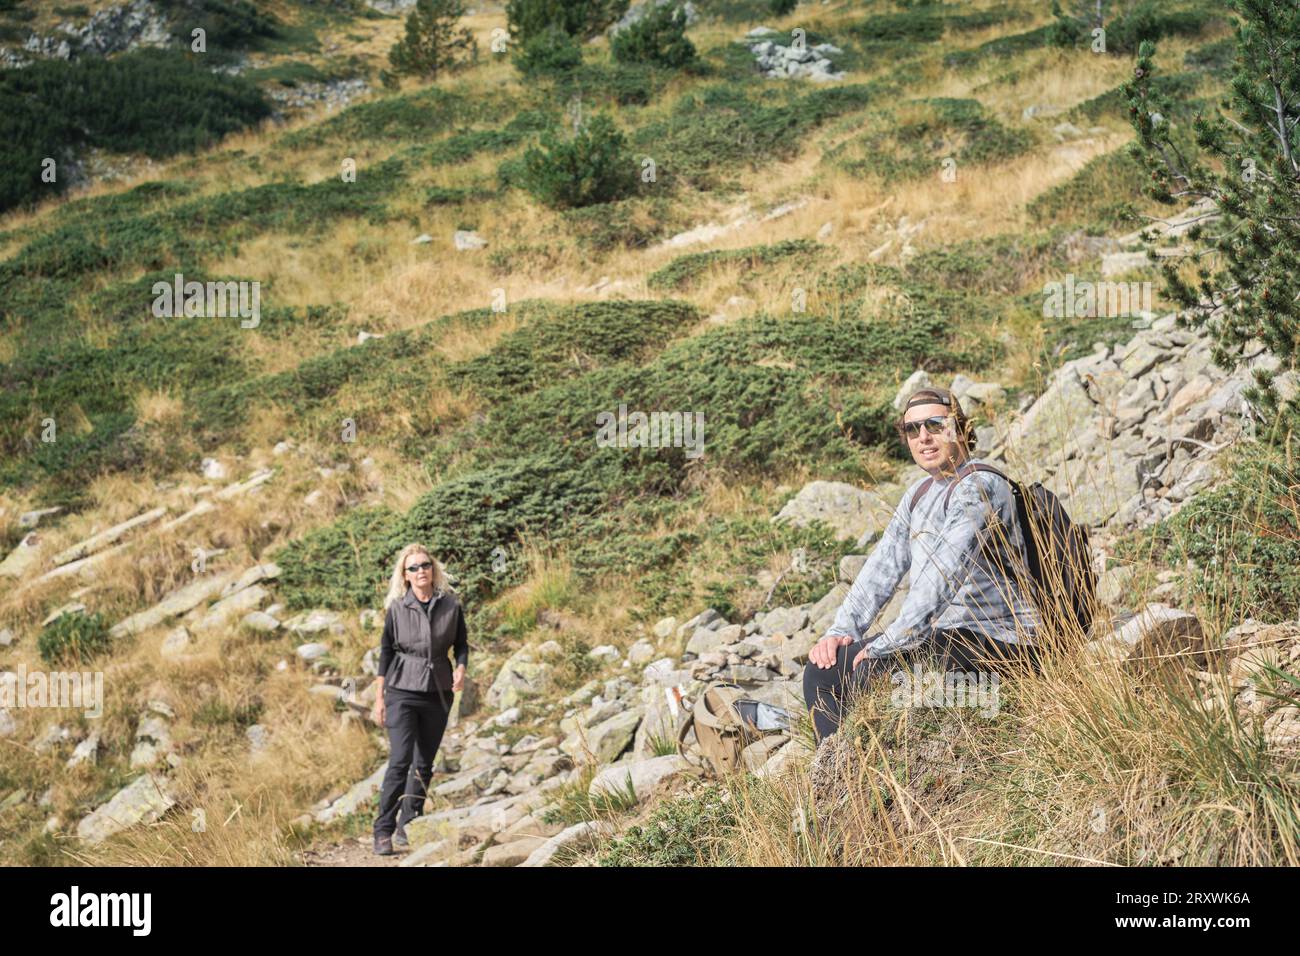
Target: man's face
<point>933,452</point>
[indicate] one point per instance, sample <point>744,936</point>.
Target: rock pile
<point>127,26</point>
<point>333,95</point>
<point>641,10</point>
<point>795,60</point>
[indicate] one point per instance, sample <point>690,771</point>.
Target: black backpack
<point>1061,575</point>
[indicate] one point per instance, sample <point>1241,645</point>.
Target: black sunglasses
<point>422,566</point>
<point>935,425</point>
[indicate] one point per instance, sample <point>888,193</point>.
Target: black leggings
<point>828,691</point>
<point>415,724</point>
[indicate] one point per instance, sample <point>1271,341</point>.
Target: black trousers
<point>416,723</point>
<point>827,692</point>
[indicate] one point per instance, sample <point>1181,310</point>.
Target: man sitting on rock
<point>964,602</point>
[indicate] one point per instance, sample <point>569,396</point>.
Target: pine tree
<point>433,43</point>
<point>1245,160</point>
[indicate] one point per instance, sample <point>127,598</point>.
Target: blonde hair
<point>398,585</point>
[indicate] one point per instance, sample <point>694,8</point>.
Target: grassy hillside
<point>843,259</point>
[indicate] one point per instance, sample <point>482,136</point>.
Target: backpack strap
<point>682,733</point>
<point>920,493</point>
<point>969,469</point>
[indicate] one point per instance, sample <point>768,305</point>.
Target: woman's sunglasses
<point>935,425</point>
<point>422,566</point>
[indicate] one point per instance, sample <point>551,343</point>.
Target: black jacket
<point>413,651</point>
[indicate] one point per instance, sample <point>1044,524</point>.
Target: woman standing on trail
<point>423,623</point>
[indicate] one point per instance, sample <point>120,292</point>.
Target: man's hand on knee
<point>827,649</point>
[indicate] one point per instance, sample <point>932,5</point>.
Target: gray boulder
<point>848,510</point>
<point>144,800</point>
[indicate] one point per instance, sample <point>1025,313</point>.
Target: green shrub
<point>578,18</point>
<point>1124,33</point>
<point>73,639</point>
<point>466,518</point>
<point>917,26</point>
<point>447,196</point>
<point>548,52</point>
<point>951,128</point>
<point>1214,57</point>
<point>345,564</point>
<point>780,8</point>
<point>226,23</point>
<point>629,223</point>
<point>593,166</point>
<point>685,269</point>
<point>572,342</point>
<point>155,102</point>
<point>688,830</point>
<point>408,117</point>
<point>721,127</point>
<point>1101,196</point>
<point>659,37</point>
<point>611,84</point>
<point>1001,47</point>
<point>1243,538</point>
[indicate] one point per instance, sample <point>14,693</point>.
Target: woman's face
<point>422,576</point>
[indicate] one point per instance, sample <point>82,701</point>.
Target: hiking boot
<point>383,846</point>
<point>399,839</point>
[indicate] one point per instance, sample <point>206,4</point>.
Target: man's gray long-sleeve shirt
<point>960,563</point>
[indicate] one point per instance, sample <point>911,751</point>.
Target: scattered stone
<point>848,510</point>
<point>917,380</point>
<point>520,677</point>
<point>258,738</point>
<point>104,538</point>
<point>351,801</point>
<point>30,519</point>
<point>645,776</point>
<point>178,602</point>
<point>22,558</point>
<point>641,653</point>
<point>639,11</point>
<point>576,837</point>
<point>75,607</point>
<point>315,622</point>
<point>513,853</point>
<point>1157,633</point>
<point>312,652</point>
<point>850,566</point>
<point>259,621</point>
<point>175,644</point>
<point>1118,263</point>
<point>240,602</point>
<point>144,800</point>
<point>85,752</point>
<point>467,240</point>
